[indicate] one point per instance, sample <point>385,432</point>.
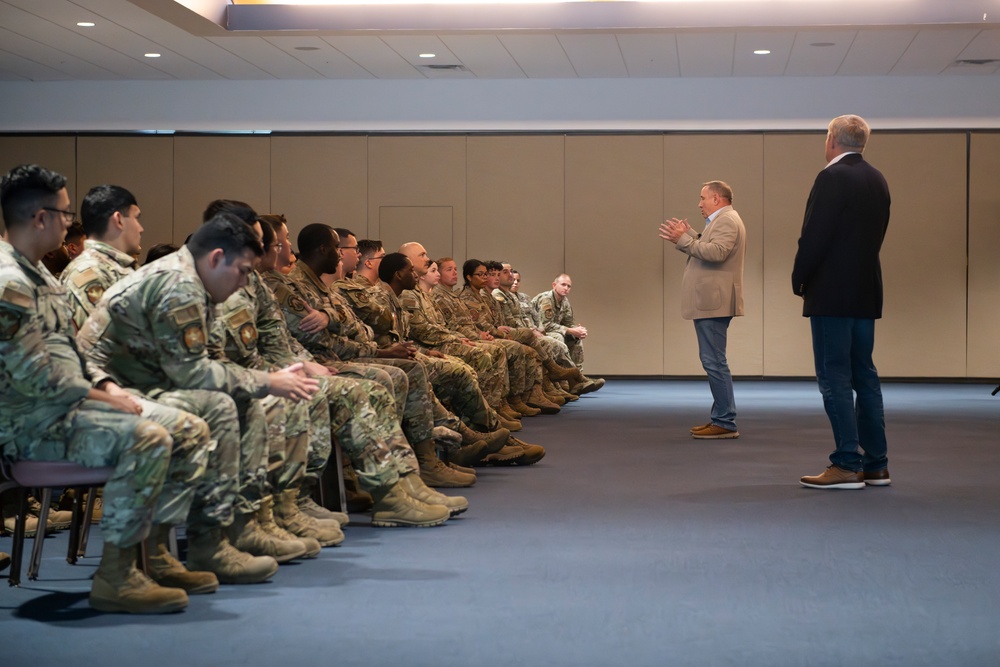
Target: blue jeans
<point>842,348</point>
<point>712,333</point>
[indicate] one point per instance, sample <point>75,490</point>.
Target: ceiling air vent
<point>447,68</point>
<point>978,61</point>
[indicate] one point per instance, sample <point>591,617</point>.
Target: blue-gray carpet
<point>629,544</point>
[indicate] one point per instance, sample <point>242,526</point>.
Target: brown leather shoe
<point>713,432</point>
<point>702,427</point>
<point>835,478</point>
<point>877,477</point>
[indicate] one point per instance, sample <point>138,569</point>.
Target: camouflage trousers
<point>288,437</point>
<point>523,364</point>
<point>456,386</point>
<point>573,344</point>
<point>392,379</point>
<point>215,493</point>
<point>151,472</point>
<point>363,421</point>
<point>490,364</point>
<point>418,409</point>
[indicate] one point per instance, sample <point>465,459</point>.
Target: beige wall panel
<point>690,161</point>
<point>791,162</point>
<point>320,179</point>
<point>434,222</point>
<point>208,168</point>
<point>516,205</point>
<point>923,330</point>
<point>614,203</point>
<point>142,165</point>
<point>418,171</point>
<point>984,267</point>
<point>55,153</point>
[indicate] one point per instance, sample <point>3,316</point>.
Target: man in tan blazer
<point>712,295</point>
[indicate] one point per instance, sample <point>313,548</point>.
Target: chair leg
<point>36,549</point>
<point>72,550</point>
<point>88,518</point>
<point>14,578</point>
<point>341,491</point>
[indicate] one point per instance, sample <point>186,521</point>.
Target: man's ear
<point>216,258</point>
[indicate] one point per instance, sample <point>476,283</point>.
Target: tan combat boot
<point>536,399</point>
<point>394,507</point>
<point>56,519</point>
<point>246,535</point>
<point>10,521</point>
<point>416,488</point>
<point>4,561</point>
<point>120,587</point>
<point>460,468</point>
<point>287,514</point>
<point>164,569</point>
<point>550,392</point>
<point>358,500</point>
<point>509,455</point>
<point>507,412</point>
<point>557,372</point>
<point>467,455</point>
<point>436,473</point>
<point>210,551</point>
<point>265,519</point>
<point>494,439</point>
<point>532,453</point>
<point>517,402</point>
<point>308,506</point>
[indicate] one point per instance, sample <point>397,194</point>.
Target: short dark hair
<point>469,268</point>
<point>390,264</point>
<point>266,235</point>
<point>275,220</point>
<point>367,248</point>
<point>493,265</point>
<point>344,232</point>
<point>240,209</point>
<point>225,231</point>
<point>312,237</point>
<point>160,250</point>
<point>25,189</point>
<point>75,231</point>
<point>101,202</point>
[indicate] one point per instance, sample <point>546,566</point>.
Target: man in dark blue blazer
<point>838,275</point>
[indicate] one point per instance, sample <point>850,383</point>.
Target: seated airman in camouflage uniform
<point>326,325</point>
<point>150,332</point>
<point>51,410</point>
<point>558,322</point>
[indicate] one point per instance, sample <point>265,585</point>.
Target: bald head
<point>418,256</point>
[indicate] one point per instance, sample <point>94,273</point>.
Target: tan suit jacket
<point>713,277</point>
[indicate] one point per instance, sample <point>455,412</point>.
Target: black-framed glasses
<point>68,215</point>
<point>349,247</point>
<point>477,274</point>
<point>376,257</point>
<point>279,246</point>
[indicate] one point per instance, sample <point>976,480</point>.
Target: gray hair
<point>850,131</point>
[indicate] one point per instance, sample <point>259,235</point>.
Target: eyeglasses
<point>479,274</point>
<point>67,215</point>
<point>377,257</point>
<point>279,246</point>
<point>349,247</point>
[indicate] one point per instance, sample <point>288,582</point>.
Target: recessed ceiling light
<point>86,24</point>
<point>822,44</point>
<point>307,48</point>
<point>761,52</point>
<point>428,55</point>
<point>152,55</point>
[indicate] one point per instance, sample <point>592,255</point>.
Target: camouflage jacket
<point>511,311</point>
<point>427,324</point>
<point>528,311</point>
<point>346,337</point>
<point>42,375</point>
<point>483,313</point>
<point>454,311</point>
<point>150,332</point>
<point>251,331</point>
<point>556,316</point>
<point>86,278</point>
<point>378,307</point>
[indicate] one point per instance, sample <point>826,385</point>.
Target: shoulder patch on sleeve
<point>186,315</point>
<point>16,296</point>
<point>88,275</point>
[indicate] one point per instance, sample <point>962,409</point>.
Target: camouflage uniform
<point>93,271</point>
<point>347,338</point>
<point>459,318</point>
<point>556,317</point>
<point>255,335</point>
<point>150,332</point>
<point>513,314</point>
<point>46,415</point>
<point>453,380</point>
<point>484,315</point>
<point>428,328</point>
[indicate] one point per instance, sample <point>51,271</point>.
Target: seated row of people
<point>214,383</point>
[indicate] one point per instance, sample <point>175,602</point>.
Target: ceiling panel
<point>819,53</point>
<point>747,63</point>
<point>876,52</point>
<point>320,57</point>
<point>16,68</point>
<point>934,50</point>
<point>375,56</point>
<point>594,56</point>
<point>409,48</point>
<point>52,57</point>
<point>266,57</point>
<point>649,54</point>
<point>706,53</point>
<point>539,56</point>
<point>484,55</point>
